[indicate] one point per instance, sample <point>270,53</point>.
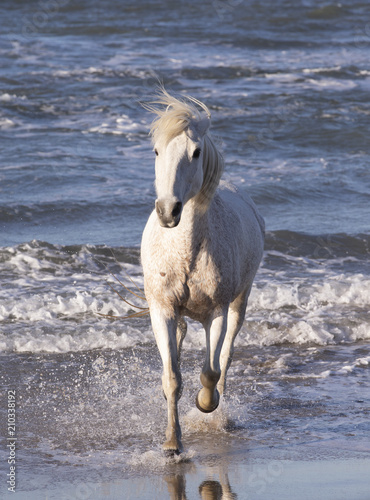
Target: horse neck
<point>194,222</point>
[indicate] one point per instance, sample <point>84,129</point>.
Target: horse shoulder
<point>164,265</point>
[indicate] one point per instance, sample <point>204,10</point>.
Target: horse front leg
<point>208,397</point>
<point>165,329</point>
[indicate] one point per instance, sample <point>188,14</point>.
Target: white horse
<point>200,251</point>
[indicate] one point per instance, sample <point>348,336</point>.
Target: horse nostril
<point>176,209</point>
<point>159,208</point>
<point>168,212</point>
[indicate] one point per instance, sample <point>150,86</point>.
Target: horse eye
<point>196,153</point>
<point>156,152</point>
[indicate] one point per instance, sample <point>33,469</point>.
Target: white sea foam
<point>117,126</point>
<point>330,83</point>
<point>322,70</point>
<point>281,77</point>
<point>6,97</point>
<point>11,97</point>
<point>42,325</point>
<point>155,460</point>
<point>53,302</point>
<point>6,123</point>
<point>311,295</point>
<point>62,341</point>
<point>196,421</point>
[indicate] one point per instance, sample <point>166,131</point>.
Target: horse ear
<point>203,126</point>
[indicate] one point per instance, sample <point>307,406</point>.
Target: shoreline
<point>331,470</point>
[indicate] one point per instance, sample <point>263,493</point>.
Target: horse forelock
<point>174,115</point>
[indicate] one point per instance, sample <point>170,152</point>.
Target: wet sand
<point>214,470</point>
<point>287,438</point>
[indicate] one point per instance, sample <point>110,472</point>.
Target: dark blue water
<point>288,92</point>
<point>288,86</point>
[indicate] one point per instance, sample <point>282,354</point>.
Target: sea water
<point>288,86</point>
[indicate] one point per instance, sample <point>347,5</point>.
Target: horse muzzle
<point>168,211</point>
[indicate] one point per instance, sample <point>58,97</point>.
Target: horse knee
<point>172,386</point>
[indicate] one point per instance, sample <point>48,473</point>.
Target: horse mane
<point>174,116</point>
<point>213,166</point>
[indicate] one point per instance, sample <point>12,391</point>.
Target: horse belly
<point>208,289</point>
<point>199,303</point>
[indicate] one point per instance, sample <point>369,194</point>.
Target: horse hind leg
<point>208,397</point>
<point>180,335</point>
<point>235,320</point>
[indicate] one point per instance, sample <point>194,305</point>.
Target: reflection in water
<point>211,490</point>
<point>208,490</point>
<point>176,486</point>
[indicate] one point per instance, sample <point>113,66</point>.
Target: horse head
<point>179,172</point>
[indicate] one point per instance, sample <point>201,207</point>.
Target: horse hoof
<point>171,453</point>
<point>172,448</point>
<point>211,408</point>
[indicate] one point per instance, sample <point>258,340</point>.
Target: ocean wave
<point>320,246</point>
<point>5,97</point>
<point>330,11</point>
<point>50,212</point>
<point>36,340</point>
<point>52,296</point>
<point>330,83</point>
<point>327,309</point>
<point>6,123</point>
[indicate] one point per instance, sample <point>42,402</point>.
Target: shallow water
<point>288,87</point>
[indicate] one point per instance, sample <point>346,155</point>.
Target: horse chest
<point>165,275</point>
<point>187,280</point>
